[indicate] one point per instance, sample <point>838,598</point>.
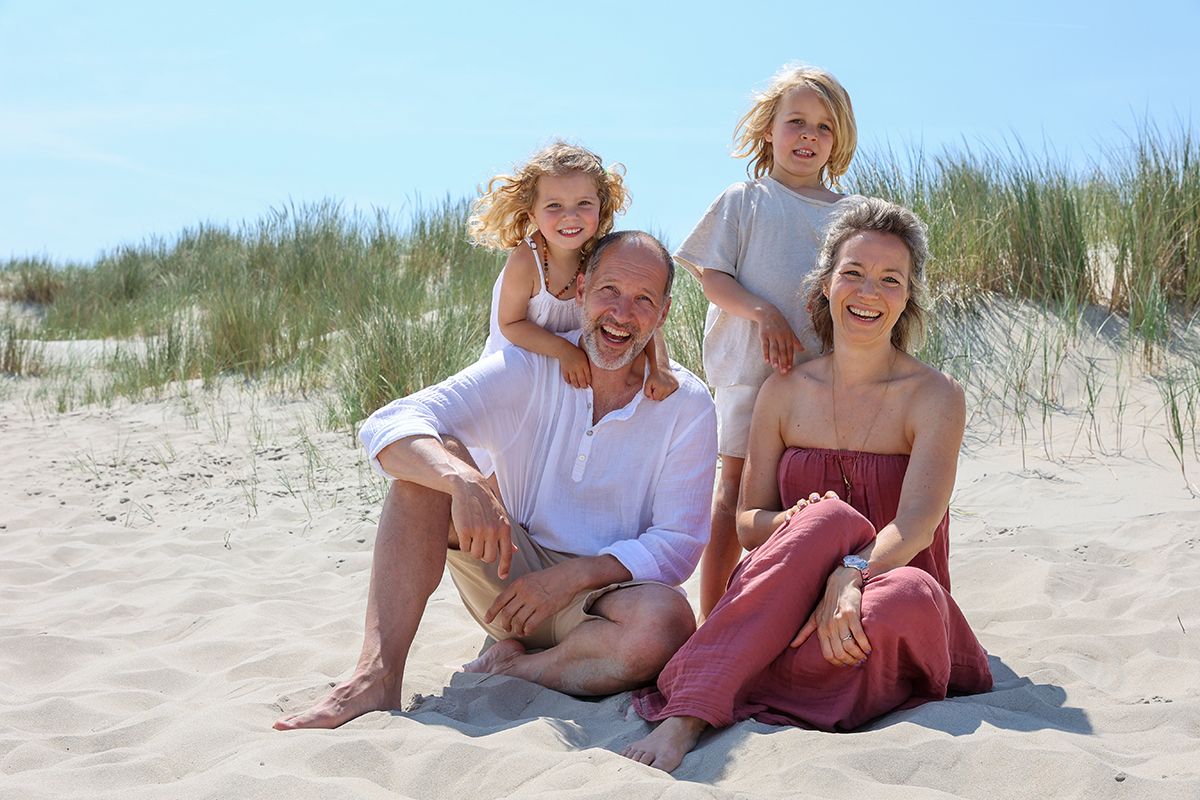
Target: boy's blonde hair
<point>750,134</point>
<point>501,217</point>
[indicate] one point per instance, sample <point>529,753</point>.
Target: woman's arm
<point>934,424</point>
<point>759,506</point>
<point>936,421</point>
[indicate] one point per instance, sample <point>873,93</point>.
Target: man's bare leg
<point>410,554</point>
<point>642,628</point>
<point>723,551</point>
<point>667,744</point>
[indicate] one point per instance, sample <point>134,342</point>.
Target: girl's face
<point>868,289</point>
<point>566,209</point>
<point>801,138</point>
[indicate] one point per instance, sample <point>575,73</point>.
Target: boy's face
<point>801,138</point>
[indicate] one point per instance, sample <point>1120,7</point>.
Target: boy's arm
<point>779,341</point>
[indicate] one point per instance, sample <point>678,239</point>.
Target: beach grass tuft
<point>1030,259</point>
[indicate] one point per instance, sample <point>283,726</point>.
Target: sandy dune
<point>175,574</point>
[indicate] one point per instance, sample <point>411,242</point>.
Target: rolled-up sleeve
<point>670,548</point>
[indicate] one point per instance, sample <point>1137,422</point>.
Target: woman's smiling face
<point>868,289</point>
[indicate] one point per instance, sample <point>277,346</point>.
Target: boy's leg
<point>723,551</point>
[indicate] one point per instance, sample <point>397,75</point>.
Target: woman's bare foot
<point>667,744</point>
<point>357,696</point>
<point>498,658</point>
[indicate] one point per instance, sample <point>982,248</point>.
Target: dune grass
<point>363,308</point>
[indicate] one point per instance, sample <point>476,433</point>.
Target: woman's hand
<point>837,620</point>
<point>805,502</point>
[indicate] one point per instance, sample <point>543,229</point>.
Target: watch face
<point>854,562</point>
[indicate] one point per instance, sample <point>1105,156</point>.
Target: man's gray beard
<point>592,348</point>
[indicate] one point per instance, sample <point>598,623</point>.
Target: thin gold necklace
<point>546,270</point>
<point>837,434</point>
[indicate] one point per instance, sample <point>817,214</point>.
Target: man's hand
<point>532,599</point>
<point>482,524</point>
<point>779,341</point>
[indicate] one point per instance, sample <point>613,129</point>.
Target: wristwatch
<point>859,563</point>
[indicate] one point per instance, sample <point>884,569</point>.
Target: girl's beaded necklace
<point>545,255</point>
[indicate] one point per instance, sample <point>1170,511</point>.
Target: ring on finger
<point>847,637</point>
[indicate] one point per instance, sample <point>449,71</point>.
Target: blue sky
<point>124,121</point>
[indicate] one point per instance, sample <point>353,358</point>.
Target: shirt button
<point>583,458</point>
<point>589,433</point>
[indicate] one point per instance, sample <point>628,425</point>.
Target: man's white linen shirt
<point>637,485</point>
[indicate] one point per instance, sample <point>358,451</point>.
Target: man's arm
<point>670,547</point>
<point>484,404</point>
<point>480,521</point>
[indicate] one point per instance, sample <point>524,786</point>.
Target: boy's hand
<point>576,369</point>
<point>660,384</point>
<point>780,343</point>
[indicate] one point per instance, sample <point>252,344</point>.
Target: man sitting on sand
<point>605,504</point>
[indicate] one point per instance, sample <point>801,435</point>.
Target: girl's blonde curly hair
<point>750,135</point>
<point>502,217</point>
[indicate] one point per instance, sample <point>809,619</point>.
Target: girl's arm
<point>759,505</point>
<point>661,382</point>
<point>520,282</point>
<point>779,341</point>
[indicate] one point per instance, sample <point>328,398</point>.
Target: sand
<point>176,574</point>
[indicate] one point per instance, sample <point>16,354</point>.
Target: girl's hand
<point>660,384</point>
<point>805,502</point>
<point>576,369</point>
<point>837,621</point>
<point>779,342</point>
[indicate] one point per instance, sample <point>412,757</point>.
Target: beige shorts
<point>735,406</point>
<point>479,586</point>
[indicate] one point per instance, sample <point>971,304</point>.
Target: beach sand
<point>177,574</point>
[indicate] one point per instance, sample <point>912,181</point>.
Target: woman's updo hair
<point>873,214</point>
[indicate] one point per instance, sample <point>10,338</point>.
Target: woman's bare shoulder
<point>935,399</point>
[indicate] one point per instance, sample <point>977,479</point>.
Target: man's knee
<point>661,623</point>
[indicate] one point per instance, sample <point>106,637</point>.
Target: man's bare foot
<point>667,744</point>
<point>497,659</point>
<point>357,696</point>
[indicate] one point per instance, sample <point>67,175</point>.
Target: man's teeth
<point>614,333</point>
<point>863,314</point>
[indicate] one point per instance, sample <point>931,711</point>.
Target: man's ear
<point>580,284</point>
<point>663,317</point>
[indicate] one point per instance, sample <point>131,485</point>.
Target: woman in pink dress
<point>841,612</point>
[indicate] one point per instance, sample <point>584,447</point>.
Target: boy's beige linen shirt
<point>637,485</point>
<point>767,237</point>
